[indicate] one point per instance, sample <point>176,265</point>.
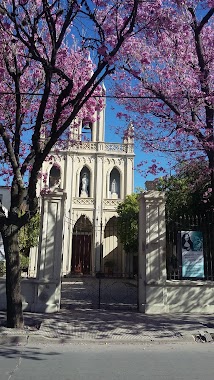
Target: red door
<point>81,254</point>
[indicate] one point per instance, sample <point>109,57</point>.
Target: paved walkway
<point>108,326</point>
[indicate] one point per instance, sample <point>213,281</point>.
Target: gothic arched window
<point>114,183</point>
<point>86,131</point>
<point>54,176</point>
<point>84,185</point>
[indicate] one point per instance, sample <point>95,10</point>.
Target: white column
<point>152,251</point>
<point>98,213</point>
<point>48,290</point>
<point>70,186</point>
<point>33,257</point>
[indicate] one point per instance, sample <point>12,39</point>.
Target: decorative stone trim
<point>111,202</point>
<point>83,201</point>
<point>104,147</point>
<point>85,146</point>
<point>110,147</point>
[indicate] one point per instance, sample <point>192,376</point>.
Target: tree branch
<point>205,20</point>
<point>11,156</point>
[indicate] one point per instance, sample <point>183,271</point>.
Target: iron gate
<point>100,293</point>
<point>106,276</point>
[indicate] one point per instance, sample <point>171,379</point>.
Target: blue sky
<point>112,122</point>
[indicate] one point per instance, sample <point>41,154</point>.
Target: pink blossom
<point>173,103</point>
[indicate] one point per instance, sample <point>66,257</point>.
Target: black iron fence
<point>103,275</point>
<point>186,258</point>
<point>99,293</point>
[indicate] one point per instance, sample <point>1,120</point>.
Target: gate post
<point>48,288</point>
<point>152,252</point>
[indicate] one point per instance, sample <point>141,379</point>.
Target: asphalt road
<point>108,362</point>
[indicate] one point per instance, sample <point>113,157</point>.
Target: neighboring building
<point>5,202</point>
<point>95,175</point>
<point>5,197</point>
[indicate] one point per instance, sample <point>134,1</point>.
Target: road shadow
<point>32,353</point>
<point>90,324</point>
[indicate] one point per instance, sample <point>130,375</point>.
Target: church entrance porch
<point>101,275</point>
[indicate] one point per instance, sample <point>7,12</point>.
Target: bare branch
<point>205,20</point>
<point>11,156</point>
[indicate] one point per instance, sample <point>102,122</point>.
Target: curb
<point>23,340</point>
<point>13,340</point>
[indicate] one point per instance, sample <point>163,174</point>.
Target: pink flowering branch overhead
<point>48,83</point>
<point>168,69</point>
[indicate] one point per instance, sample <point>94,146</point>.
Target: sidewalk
<point>104,326</point>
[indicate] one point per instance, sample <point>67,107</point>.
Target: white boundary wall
<point>157,295</point>
<point>43,293</point>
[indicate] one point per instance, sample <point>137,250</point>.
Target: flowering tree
<point>168,75</point>
<point>187,190</point>
<point>47,83</point>
<point>127,223</point>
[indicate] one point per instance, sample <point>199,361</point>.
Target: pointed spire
<point>128,137</point>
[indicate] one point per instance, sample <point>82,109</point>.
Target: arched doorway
<point>112,249</point>
<point>81,246</point>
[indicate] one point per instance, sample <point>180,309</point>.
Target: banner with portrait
<point>192,254</point>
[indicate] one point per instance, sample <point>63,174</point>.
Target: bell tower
<point>86,130</point>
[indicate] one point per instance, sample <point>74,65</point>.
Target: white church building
<point>91,176</point>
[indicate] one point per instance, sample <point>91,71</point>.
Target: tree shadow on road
<point>33,353</point>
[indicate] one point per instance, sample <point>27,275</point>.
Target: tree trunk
<point>13,285</point>
<point>211,167</point>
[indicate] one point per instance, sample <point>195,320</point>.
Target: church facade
<point>95,176</point>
